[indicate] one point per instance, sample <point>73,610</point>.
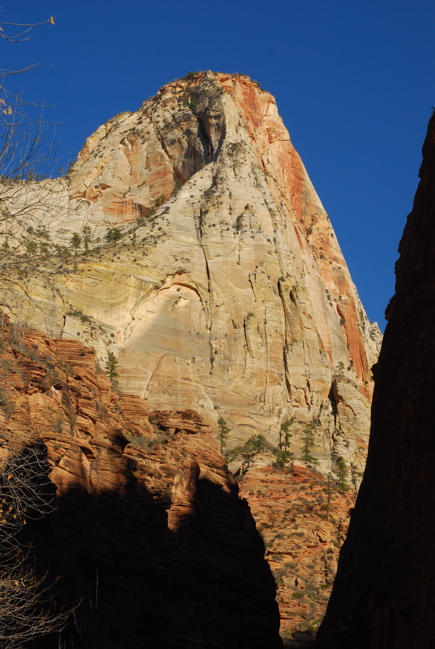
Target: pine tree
<point>111,366</point>
<point>223,433</point>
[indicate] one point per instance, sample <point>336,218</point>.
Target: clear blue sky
<point>354,81</point>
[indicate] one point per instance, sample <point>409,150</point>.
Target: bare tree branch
<point>27,610</point>
<point>27,149</point>
<point>19,38</point>
<point>26,607</point>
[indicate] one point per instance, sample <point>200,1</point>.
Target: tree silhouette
<point>26,609</point>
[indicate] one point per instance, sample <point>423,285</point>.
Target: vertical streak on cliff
<point>199,223</point>
<point>266,383</point>
<point>385,587</point>
<point>286,339</point>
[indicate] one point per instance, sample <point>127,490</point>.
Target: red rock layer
<point>385,588</point>
<point>150,539</point>
<point>290,185</point>
<point>303,518</point>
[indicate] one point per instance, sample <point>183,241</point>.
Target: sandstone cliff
<point>205,262</point>
<point>146,504</point>
<point>384,592</point>
<point>150,541</point>
<point>303,518</point>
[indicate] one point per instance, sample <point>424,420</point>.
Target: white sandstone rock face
<point>232,297</point>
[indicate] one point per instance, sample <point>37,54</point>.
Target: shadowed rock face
<point>150,536</point>
<point>384,593</point>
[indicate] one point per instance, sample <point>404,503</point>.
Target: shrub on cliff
<point>114,234</point>
<point>223,433</point>
<point>112,366</point>
<point>341,473</point>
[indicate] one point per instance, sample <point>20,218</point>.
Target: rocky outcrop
<point>150,542</point>
<point>385,587</point>
<point>109,456</point>
<point>209,268</point>
<point>303,518</point>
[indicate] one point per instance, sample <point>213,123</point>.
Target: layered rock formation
<point>209,267</point>
<point>150,541</point>
<point>385,588</point>
<point>303,518</point>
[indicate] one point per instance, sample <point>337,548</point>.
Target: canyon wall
<point>149,544</point>
<point>146,509</point>
<point>385,586</point>
<point>188,254</point>
<point>204,261</point>
<point>302,517</point>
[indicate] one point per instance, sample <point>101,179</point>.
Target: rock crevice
<point>203,183</point>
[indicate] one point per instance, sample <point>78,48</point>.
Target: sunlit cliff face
<point>211,271</point>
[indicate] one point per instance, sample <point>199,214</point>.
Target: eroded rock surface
<point>150,540</point>
<point>221,286</point>
<point>303,518</point>
<point>145,501</point>
<point>385,587</point>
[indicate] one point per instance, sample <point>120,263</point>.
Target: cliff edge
<point>385,586</point>
<point>191,245</point>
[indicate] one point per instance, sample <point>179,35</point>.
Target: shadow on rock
<point>300,640</point>
<point>141,585</point>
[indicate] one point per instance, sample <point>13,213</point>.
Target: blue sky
<point>354,82</point>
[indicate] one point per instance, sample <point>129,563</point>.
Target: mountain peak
<point>209,268</point>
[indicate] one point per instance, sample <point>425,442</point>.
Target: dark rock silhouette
<point>141,585</point>
<point>384,593</point>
